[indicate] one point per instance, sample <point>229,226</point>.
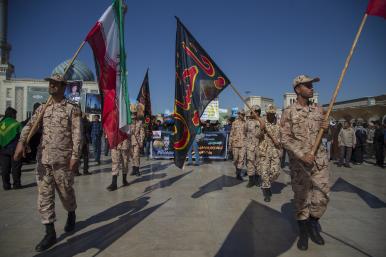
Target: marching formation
<point>256,141</point>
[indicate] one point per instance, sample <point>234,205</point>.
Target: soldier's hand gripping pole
<point>338,86</point>
<point>260,120</point>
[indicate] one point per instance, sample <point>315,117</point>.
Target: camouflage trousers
<point>238,156</point>
<point>253,165</point>
<point>135,152</point>
<point>49,178</point>
<point>270,170</point>
<point>311,190</point>
<point>120,161</point>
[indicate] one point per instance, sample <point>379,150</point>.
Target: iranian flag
<point>106,39</point>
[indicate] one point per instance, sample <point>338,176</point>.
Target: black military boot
<point>313,231</point>
<point>48,240</point>
<point>113,185</point>
<point>70,224</point>
<point>137,172</point>
<point>251,181</point>
<point>303,235</point>
<point>133,171</point>
<point>124,180</point>
<point>258,181</point>
<point>238,174</point>
<point>267,196</point>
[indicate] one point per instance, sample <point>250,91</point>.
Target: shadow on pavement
<point>33,184</point>
<point>260,231</point>
<point>166,182</point>
<point>277,187</point>
<point>155,167</point>
<point>100,238</point>
<point>216,185</point>
<point>147,178</point>
<point>372,201</point>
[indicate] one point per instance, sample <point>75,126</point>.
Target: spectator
<point>194,147</point>
<point>10,130</point>
<point>35,139</point>
<point>347,142</point>
<point>85,144</point>
<point>148,138</point>
<point>370,140</point>
<point>228,126</point>
<point>361,136</point>
<point>379,142</point>
<point>96,138</point>
<point>106,145</point>
<point>335,153</point>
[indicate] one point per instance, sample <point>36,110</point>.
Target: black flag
<point>198,82</point>
<point>143,99</point>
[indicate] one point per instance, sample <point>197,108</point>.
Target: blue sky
<point>260,45</point>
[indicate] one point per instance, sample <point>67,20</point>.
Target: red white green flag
<point>377,8</point>
<point>106,39</point>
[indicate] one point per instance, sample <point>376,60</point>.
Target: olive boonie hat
<point>271,109</point>
<point>56,77</point>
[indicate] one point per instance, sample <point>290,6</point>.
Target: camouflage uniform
<point>237,142</point>
<point>61,141</point>
<point>120,156</point>
<point>137,135</point>
<point>270,155</point>
<point>299,128</point>
<point>253,134</point>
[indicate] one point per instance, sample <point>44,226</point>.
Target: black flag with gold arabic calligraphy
<point>198,81</point>
<point>143,99</point>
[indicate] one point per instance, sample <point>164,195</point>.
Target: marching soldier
<point>137,135</point>
<point>237,143</point>
<point>254,131</point>
<point>270,151</point>
<point>300,124</point>
<point>120,156</point>
<point>57,158</point>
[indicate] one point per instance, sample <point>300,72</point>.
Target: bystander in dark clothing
<point>96,138</point>
<point>35,139</point>
<point>335,152</point>
<point>106,147</point>
<point>86,139</point>
<point>379,143</point>
<point>361,136</point>
<point>10,130</point>
<point>370,141</point>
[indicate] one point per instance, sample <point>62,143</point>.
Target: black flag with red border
<point>198,81</point>
<point>143,99</point>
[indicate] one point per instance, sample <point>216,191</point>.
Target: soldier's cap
<point>255,107</point>
<point>56,77</point>
<point>271,109</point>
<point>241,112</point>
<point>133,108</point>
<point>304,79</point>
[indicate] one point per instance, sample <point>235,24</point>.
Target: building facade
<point>290,98</point>
<point>365,108</point>
<point>263,102</point>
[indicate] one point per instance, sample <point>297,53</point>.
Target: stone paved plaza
<point>199,211</point>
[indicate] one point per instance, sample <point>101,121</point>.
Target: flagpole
<point>49,100</point>
<point>338,86</point>
<point>254,114</point>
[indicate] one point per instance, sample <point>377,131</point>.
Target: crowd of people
<point>355,142</point>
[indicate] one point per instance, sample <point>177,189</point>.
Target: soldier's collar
<point>300,107</point>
